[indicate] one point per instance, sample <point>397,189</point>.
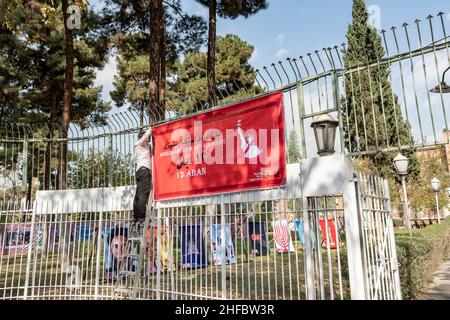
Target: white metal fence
<point>380,255</point>
<point>286,243</point>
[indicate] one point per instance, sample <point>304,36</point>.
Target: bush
<point>398,222</point>
<point>421,255</point>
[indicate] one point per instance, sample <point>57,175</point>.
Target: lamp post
<point>443,86</point>
<point>401,165</point>
<point>325,134</point>
<point>436,185</point>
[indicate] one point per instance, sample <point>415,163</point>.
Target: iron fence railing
<point>50,253</point>
<point>382,105</point>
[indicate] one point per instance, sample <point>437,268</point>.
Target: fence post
<point>309,268</point>
<point>337,105</point>
<point>223,247</point>
<point>301,109</point>
<point>354,241</point>
<point>158,255</point>
<point>99,244</point>
<point>110,161</point>
<point>25,162</point>
<point>394,260</point>
<point>30,247</point>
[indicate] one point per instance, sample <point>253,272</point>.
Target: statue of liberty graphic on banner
<point>248,146</point>
<point>216,245</point>
<point>282,236</point>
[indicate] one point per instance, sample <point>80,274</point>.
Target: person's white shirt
<point>143,151</point>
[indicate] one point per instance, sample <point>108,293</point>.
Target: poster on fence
<point>82,232</point>
<point>258,238</point>
<point>235,148</point>
<point>216,245</point>
<point>166,249</point>
<point>15,238</point>
<point>192,247</point>
<point>330,236</point>
<point>300,226</point>
<point>115,240</point>
<point>46,237</point>
<point>282,236</point>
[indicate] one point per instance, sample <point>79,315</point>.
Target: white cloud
<point>256,55</point>
<point>448,17</point>
<point>281,53</point>
<point>280,39</point>
<point>105,78</point>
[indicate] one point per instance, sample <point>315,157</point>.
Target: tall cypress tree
<point>372,120</point>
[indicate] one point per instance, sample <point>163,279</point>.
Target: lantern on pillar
<point>325,134</point>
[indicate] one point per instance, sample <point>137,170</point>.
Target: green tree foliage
<point>421,195</point>
<point>129,25</point>
<point>228,9</point>
<point>235,75</point>
<point>14,66</point>
<point>36,49</point>
<point>372,115</point>
<point>96,168</point>
<point>293,147</point>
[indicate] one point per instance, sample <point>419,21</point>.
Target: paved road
<point>440,289</point>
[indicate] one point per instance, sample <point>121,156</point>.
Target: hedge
<point>421,255</point>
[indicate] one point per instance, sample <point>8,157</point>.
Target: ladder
<point>129,275</point>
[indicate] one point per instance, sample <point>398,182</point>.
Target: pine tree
<point>372,117</point>
<point>230,9</point>
<point>235,75</point>
<point>40,72</point>
<point>293,147</point>
<point>141,79</point>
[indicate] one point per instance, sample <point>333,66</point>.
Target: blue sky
<point>295,27</point>
<point>289,28</point>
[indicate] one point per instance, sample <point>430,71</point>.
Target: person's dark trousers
<point>143,188</point>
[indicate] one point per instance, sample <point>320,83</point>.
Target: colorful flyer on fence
<point>300,226</point>
<point>282,236</point>
<point>166,248</point>
<point>114,239</point>
<point>192,247</point>
<point>329,238</point>
<point>258,238</point>
<point>216,245</point>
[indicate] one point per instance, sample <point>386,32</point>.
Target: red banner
<point>231,149</point>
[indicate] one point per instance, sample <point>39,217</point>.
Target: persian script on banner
<point>282,236</point>
<point>235,148</point>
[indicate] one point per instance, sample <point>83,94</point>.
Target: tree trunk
<point>141,114</point>
<point>48,150</point>
<point>67,100</point>
<point>211,64</point>
<point>156,110</point>
<point>65,121</point>
<point>162,65</point>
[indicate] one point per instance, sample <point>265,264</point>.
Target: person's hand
<point>148,133</point>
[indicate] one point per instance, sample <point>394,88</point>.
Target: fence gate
<point>382,280</point>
